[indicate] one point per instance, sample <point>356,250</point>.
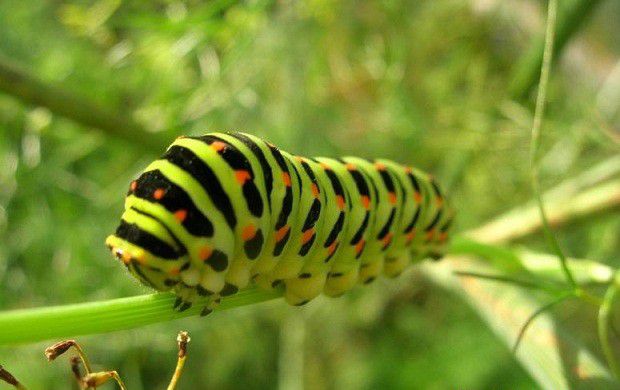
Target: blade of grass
<point>545,266</point>
<point>518,260</point>
<point>554,358</point>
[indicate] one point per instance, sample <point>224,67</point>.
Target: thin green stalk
<point>545,308</point>
<point>605,324</point>
<point>58,322</point>
<point>536,130</point>
<point>572,14</point>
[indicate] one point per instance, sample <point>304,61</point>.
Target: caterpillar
<point>218,212</point>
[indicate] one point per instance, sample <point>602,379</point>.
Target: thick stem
<point>57,322</point>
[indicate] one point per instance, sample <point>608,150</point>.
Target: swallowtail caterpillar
<point>218,212</point>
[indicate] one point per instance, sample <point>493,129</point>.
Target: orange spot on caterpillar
<point>325,166</point>
<point>439,201</point>
<point>204,253</point>
<point>350,167</point>
<point>380,166</point>
<point>365,202</point>
<point>159,193</point>
<point>410,236</point>
<point>408,169</point>
<point>286,178</point>
<point>299,158</point>
<point>180,215</point>
<point>248,232</point>
<point>126,257</point>
<point>174,271</point>
<point>430,234</point>
<point>387,239</point>
<point>392,197</point>
<point>332,247</point>
<point>307,235</point>
<point>443,236</point>
<point>218,146</point>
<point>359,246</point>
<point>141,258</point>
<point>340,202</point>
<point>280,233</point>
<point>133,185</point>
<point>242,176</point>
<point>417,197</point>
<point>315,190</point>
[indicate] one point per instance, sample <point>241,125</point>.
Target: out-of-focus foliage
<point>421,82</point>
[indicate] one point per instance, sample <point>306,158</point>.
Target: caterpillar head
<point>142,246</point>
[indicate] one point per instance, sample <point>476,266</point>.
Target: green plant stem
<point>571,15</point>
<point>58,322</point>
<point>543,309</point>
<point>539,114</point>
<point>523,220</point>
<point>26,87</point>
<point>32,325</point>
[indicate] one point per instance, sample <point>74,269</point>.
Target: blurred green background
<point>421,82</point>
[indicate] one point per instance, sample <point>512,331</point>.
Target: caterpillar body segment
<point>217,212</point>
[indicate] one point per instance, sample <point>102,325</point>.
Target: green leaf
<point>554,357</point>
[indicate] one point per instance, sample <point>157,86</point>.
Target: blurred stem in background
<point>584,195</point>
<point>26,87</point>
